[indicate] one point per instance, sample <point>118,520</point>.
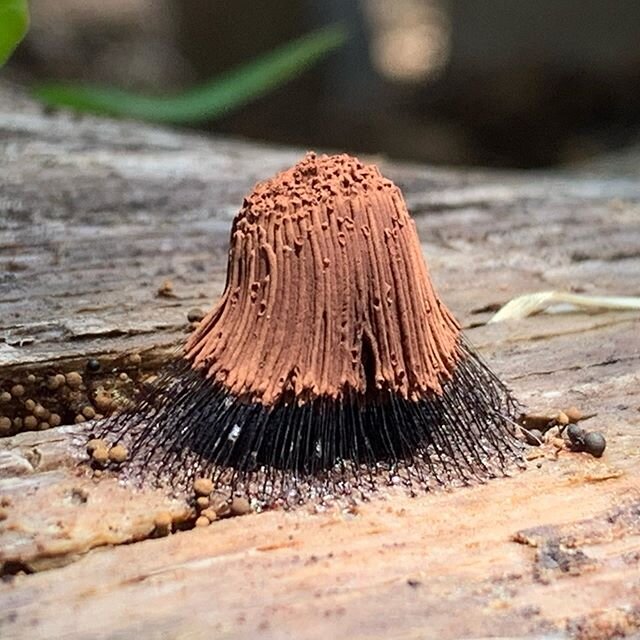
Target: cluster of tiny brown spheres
<point>44,399</point>
<point>210,505</point>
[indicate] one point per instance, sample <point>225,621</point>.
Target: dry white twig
<point>532,303</point>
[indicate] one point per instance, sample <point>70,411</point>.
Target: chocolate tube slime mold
<point>329,366</point>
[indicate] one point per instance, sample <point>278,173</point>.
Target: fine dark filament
<point>185,426</point>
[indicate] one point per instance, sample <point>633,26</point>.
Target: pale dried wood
<point>95,214</point>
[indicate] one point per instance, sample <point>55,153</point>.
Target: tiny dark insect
<point>592,442</point>
<point>575,434</point>
<point>329,366</point>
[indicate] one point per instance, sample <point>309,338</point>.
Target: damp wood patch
<point>121,561</point>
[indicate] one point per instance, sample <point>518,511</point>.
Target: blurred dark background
<point>466,82</point>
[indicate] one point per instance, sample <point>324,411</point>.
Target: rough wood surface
<point>95,215</point>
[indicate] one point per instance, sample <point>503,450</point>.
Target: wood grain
<point>95,215</point>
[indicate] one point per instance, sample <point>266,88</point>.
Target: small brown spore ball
<point>203,486</point>
<point>89,412</point>
<point>210,514</point>
<point>118,453</point>
<point>73,379</point>
<point>5,397</point>
<point>135,359</point>
<point>202,521</point>
<point>162,522</point>
<point>95,443</point>
<point>5,425</point>
<point>54,420</point>
<point>240,506</point>
<point>29,404</point>
<point>100,455</point>
<point>40,412</point>
<point>17,391</point>
<point>30,422</point>
<point>53,383</point>
<point>202,502</point>
<point>103,401</point>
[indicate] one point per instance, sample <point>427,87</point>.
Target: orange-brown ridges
<point>327,293</point>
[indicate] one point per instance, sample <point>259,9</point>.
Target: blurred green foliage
<point>210,100</point>
<point>14,22</point>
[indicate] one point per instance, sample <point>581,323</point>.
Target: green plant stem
<point>210,100</point>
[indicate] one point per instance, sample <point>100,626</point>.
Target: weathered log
<point>96,215</point>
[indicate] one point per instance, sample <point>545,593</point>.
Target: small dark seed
<point>93,365</point>
<point>595,443</point>
<point>195,315</point>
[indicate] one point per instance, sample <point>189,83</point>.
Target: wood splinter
<point>329,365</point>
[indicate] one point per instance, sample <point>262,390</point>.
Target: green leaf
<point>14,22</point>
<point>210,100</point>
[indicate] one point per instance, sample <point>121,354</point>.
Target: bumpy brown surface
<point>327,291</point>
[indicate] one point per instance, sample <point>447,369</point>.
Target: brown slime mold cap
<point>327,292</point>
